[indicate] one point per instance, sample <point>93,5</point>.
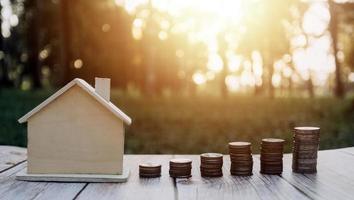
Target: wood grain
<point>13,189</point>
<point>75,134</point>
<point>347,150</point>
<point>12,161</point>
<point>257,186</point>
<point>334,180</point>
<point>135,188</point>
<point>10,156</point>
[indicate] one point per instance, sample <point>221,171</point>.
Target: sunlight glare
<point>215,63</point>
<point>206,21</point>
<point>163,35</point>
<point>276,80</point>
<point>287,71</point>
<point>232,82</point>
<point>199,78</point>
<point>137,31</point>
<point>234,62</point>
<point>247,77</point>
<point>78,63</point>
<point>351,77</point>
<point>257,66</point>
<point>316,19</point>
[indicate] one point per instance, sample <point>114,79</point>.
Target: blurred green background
<point>182,125</point>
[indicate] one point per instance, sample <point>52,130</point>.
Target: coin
<point>180,161</point>
<point>271,156</point>
<point>180,168</point>
<point>149,170</point>
<point>305,147</point>
<point>239,144</point>
<point>211,164</point>
<point>241,158</point>
<point>211,155</point>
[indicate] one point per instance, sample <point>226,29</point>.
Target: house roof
<point>89,89</point>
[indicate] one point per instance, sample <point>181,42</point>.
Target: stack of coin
<point>241,158</point>
<point>211,164</point>
<point>272,156</point>
<point>149,170</point>
<point>180,168</point>
<point>306,142</point>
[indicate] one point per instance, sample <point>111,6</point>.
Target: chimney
<point>103,87</point>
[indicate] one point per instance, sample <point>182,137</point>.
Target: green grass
<point>202,124</point>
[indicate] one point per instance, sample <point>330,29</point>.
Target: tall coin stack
<point>181,168</point>
<point>306,142</point>
<point>241,158</point>
<point>272,156</point>
<point>211,164</point>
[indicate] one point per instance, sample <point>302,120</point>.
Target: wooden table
<point>334,180</point>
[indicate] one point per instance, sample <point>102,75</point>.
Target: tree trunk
<point>267,84</point>
<point>310,88</point>
<point>33,43</point>
<point>150,79</point>
<point>271,91</point>
<point>290,87</point>
<point>191,86</point>
<point>65,41</point>
<point>4,79</point>
<point>222,52</point>
<point>268,62</point>
<point>333,29</point>
<point>224,90</point>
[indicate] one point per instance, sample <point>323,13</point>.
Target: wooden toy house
<point>76,131</point>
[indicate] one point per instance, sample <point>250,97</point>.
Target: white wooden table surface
<point>334,180</point>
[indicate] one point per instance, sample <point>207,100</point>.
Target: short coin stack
<point>272,156</point>
<point>241,158</point>
<point>149,170</point>
<point>306,142</point>
<point>180,168</point>
<point>211,164</point>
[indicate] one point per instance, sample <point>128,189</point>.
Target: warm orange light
<point>78,63</point>
<point>199,78</point>
<point>208,21</point>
